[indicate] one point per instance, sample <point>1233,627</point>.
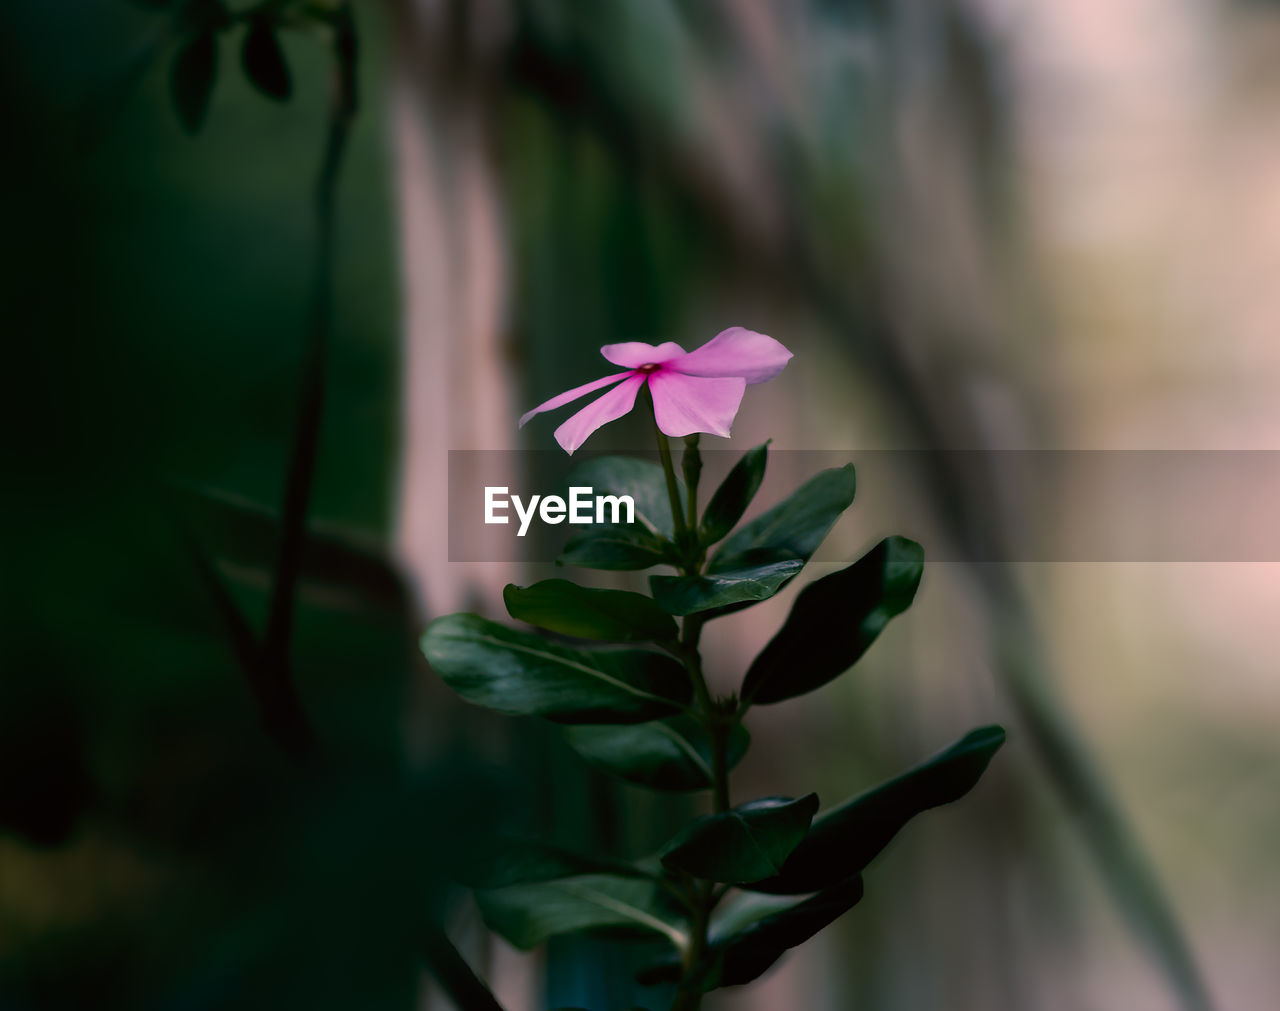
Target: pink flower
<point>693,391</point>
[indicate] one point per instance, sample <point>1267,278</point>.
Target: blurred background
<point>981,225</point>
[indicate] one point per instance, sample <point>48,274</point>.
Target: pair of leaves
<point>834,620</point>
<point>753,564</point>
<point>673,754</point>
<point>195,66</point>
<point>647,541</point>
<point>530,891</point>
<point>762,557</point>
<point>841,842</point>
<point>745,956</point>
<point>748,843</point>
<point>748,937</point>
<point>521,674</point>
<point>750,934</point>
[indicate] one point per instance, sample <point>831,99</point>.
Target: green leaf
<point>748,843</point>
<point>746,939</point>
<point>613,550</point>
<point>637,545</point>
<point>746,956</point>
<point>264,62</point>
<point>612,615</point>
<point>526,915</point>
<point>502,861</point>
<point>672,754</point>
<point>843,841</point>
<point>833,622</point>
<point>742,909</point>
<point>195,68</point>
<point>643,480</point>
<point>794,527</point>
<point>525,675</point>
<point>733,496</point>
<point>691,594</point>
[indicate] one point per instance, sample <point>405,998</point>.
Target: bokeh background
<point>981,225</point>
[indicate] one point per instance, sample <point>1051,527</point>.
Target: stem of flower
<point>705,896</point>
<point>688,995</point>
<point>692,463</point>
<point>673,489</point>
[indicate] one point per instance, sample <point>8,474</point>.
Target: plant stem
<point>689,993</point>
<point>673,490</point>
<point>272,678</point>
<point>692,463</point>
<point>707,710</point>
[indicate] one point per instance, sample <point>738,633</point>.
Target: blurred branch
<point>239,532</point>
<point>1133,883</point>
<point>277,689</point>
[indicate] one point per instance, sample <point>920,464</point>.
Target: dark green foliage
<point>616,550</point>
<point>264,62</point>
<point>843,841</point>
<point>643,480</point>
<point>792,529</point>
<point>609,615</point>
<point>834,620</point>
<point>528,914</point>
<point>693,594</point>
<point>526,675</point>
<point>770,848</point>
<point>733,496</point>
<point>749,936</point>
<point>638,545</point>
<point>672,754</point>
<point>746,956</point>
<point>195,70</point>
<point>748,843</point>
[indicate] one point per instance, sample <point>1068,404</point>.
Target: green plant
<point>736,888</point>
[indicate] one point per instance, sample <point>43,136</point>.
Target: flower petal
<point>735,352</point>
<point>633,354</point>
<point>687,404</point>
<point>604,409</point>
<point>571,395</point>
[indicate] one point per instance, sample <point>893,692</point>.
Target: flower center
<point>650,367</point>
